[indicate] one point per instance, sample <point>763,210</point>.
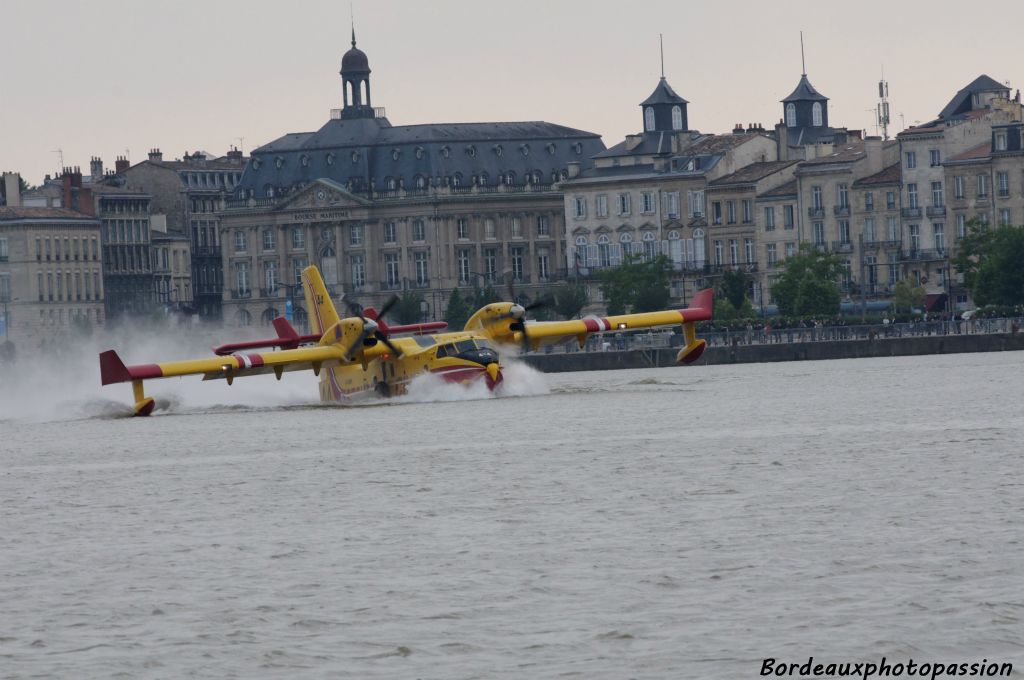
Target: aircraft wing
<point>542,333</point>
<point>113,370</point>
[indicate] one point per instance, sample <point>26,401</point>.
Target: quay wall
<point>799,351</point>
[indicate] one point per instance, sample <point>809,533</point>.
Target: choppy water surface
<point>670,523</point>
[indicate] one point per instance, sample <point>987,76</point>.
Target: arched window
<point>790,115</point>
<point>269,314</point>
<point>699,252</point>
<point>510,177</point>
<point>581,240</point>
<point>626,238</point>
<point>816,114</point>
<point>300,319</point>
<point>677,118</point>
<point>483,179</point>
<point>244,318</point>
<point>390,183</point>
<point>421,182</point>
<point>649,119</point>
<point>457,179</point>
<point>673,235</point>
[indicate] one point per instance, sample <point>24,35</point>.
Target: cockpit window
<point>465,346</point>
<point>442,351</point>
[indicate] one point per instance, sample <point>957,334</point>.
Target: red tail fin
<point>112,369</point>
<point>286,332</point>
<point>702,306</point>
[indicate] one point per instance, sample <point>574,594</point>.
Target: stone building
<point>385,209</point>
<point>51,282</point>
<point>190,191</point>
<point>876,219</point>
<point>778,214</point>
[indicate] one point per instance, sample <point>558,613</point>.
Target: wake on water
<point>65,385</point>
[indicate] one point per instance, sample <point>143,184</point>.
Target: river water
<point>668,523</point>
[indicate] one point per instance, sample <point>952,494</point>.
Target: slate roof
<point>753,173</point>
<point>805,92</point>
<point>851,152</point>
<point>663,94</point>
<point>363,150</point>
<point>653,143</point>
<point>889,175</point>
<point>979,152</point>
<point>8,213</point>
<point>962,100</point>
<point>783,190</point>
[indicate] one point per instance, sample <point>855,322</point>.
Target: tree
<point>992,262</point>
<point>408,309</point>
<point>907,295</point>
<point>636,286</point>
<point>734,286</point>
<point>485,296</point>
<point>807,286</point>
<point>570,299</point>
<point>458,311</point>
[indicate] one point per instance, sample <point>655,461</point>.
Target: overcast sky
<point>115,77</point>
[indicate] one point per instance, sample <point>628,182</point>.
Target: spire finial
<point>352,15</point>
<point>803,63</point>
<point>661,46</point>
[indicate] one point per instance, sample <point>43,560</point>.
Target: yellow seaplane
<point>361,355</point>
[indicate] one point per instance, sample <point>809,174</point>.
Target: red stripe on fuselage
<point>591,325</point>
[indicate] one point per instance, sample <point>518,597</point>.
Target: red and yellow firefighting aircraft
<point>359,355</point>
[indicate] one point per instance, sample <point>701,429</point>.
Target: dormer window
<point>419,152</point>
<point>816,114</point>
<point>649,119</point>
<point>498,150</point>
<point>790,115</point>
<point>355,156</point>
<point>330,159</point>
<point>1000,141</point>
<point>304,159</point>
<point>279,162</point>
<point>471,151</point>
<point>525,149</point>
<point>396,154</point>
<point>577,148</point>
<point>677,118</point>
<point>445,152</point>
<point>551,149</point>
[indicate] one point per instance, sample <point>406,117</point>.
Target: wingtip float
<point>361,355</point>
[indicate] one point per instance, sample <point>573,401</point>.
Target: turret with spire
<point>664,110</point>
<point>355,81</point>
<point>805,109</point>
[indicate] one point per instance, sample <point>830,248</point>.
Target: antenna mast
<point>661,46</point>
<point>803,63</point>
<point>883,106</point>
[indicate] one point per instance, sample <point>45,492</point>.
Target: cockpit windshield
<point>472,350</point>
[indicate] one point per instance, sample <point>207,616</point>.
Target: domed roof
<point>355,59</point>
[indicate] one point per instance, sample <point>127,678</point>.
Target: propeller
<point>371,329</point>
<point>518,312</point>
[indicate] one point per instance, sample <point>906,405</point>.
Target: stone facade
<point>51,274</point>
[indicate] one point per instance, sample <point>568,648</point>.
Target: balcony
<point>911,213</point>
<point>936,211</point>
<point>923,255</point>
<point>421,284</point>
<point>818,212</point>
<point>842,247</point>
<point>391,285</point>
<point>884,245</point>
<point>241,294</point>
<point>1003,193</point>
<point>841,210</point>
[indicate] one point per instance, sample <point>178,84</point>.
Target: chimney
<point>574,169</point>
<point>12,188</point>
<point>155,155</point>
<point>121,164</point>
<point>873,153</point>
<point>96,169</point>
<point>738,129</point>
<point>234,153</point>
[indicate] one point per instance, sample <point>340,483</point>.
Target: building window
<point>463,261</point>
<point>844,232</point>
<point>1003,184</point>
<point>579,205</point>
<point>393,279</point>
<point>939,230</point>
<point>730,211</point>
<point>816,198</point>
<point>420,262</point>
<point>935,157</point>
<point>769,218</point>
<point>816,115</point>
<point>718,253</point>
<point>890,200</point>
<point>649,119</point>
<point>358,271</point>
<point>982,186</point>
<point>1004,217</point>
<point>602,205</point>
<point>894,229</point>
<point>869,230</point>
<point>489,228</point>
<point>747,211</point>
<point>516,227</point>
<point>716,212</point>
<point>490,264</point>
<point>647,202</point>
<point>4,253</point>
<point>748,250</point>
<point>517,264</point>
<point>734,251</point>
<point>1000,141</point>
<point>268,239</point>
<point>623,204</point>
<point>543,264</point>
<point>298,264</point>
<point>788,216</point>
<point>819,233</point>
<point>298,238</point>
<point>242,278</point>
<point>543,227</point>
<point>241,243</point>
<point>677,118</point>
<point>462,228</point>
<point>869,201</point>
<point>270,277</point>
<point>915,237</point>
<point>771,254</point>
<point>961,227</point>
<point>912,195</point>
<point>419,230</point>
<point>958,187</point>
<point>672,204</point>
<point>843,196</point>
<point>355,235</point>
<point>937,197</point>
<point>790,115</point>
<point>696,202</point>
<point>911,160</point>
<point>389,232</point>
